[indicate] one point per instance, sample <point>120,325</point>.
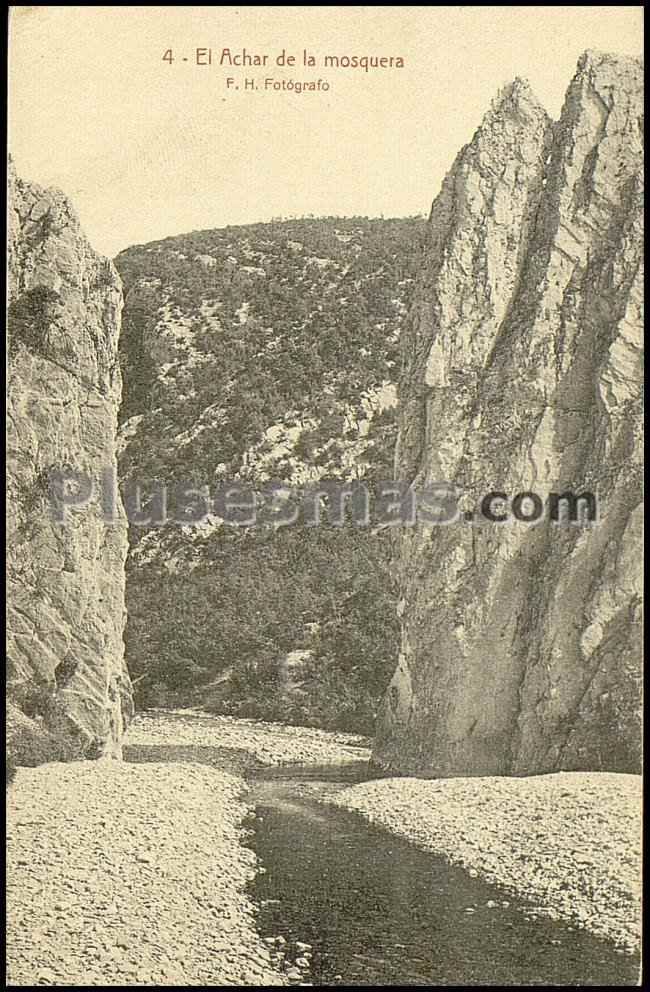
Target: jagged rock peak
<point>611,79</point>
<point>514,111</point>
<point>523,373</point>
<point>593,59</point>
<point>517,98</point>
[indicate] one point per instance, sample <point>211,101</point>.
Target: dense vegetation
<point>264,352</point>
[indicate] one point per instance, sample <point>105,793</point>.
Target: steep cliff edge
<point>68,690</point>
<point>523,372</point>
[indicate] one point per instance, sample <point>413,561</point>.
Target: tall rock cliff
<point>522,372</point>
<point>67,686</point>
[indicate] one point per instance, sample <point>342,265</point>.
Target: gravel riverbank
<point>125,874</point>
<point>253,741</point>
<point>570,843</point>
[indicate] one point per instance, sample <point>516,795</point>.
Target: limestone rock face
<point>67,686</point>
<point>523,372</point>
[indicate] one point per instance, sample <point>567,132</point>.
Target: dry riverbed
<point>256,742</point>
<point>135,873</point>
<point>570,842</point>
<point>125,874</point>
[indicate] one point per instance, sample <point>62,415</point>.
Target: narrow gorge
<point>521,372</point>
<point>340,753</point>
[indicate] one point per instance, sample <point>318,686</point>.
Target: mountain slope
<point>266,352</point>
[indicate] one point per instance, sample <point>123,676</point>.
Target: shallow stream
<point>375,910</point>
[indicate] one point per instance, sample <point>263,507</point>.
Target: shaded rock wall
<point>67,686</point>
<point>523,371</point>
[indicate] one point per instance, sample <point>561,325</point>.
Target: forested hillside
<point>266,352</point>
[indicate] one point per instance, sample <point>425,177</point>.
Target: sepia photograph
<point>324,496</point>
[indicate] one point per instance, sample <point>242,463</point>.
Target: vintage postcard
<point>324,495</point>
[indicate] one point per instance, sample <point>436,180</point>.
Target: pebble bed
<point>135,874</point>
<point>125,874</point>
<point>266,743</point>
<point>570,843</point>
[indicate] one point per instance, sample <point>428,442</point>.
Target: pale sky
<point>146,149</point>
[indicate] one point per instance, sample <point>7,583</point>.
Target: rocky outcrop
<point>522,372</point>
<point>67,686</point>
